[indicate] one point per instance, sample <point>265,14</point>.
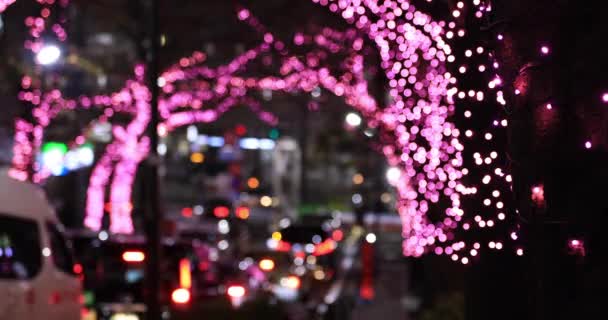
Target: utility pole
<point>153,214</point>
<point>304,159</point>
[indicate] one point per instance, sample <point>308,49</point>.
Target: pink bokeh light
<point>416,134</point>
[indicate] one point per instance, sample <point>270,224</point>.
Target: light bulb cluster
<point>416,131</point>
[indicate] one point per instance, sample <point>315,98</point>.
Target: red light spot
<point>187,212</point>
<point>221,212</point>
<point>77,268</point>
<point>337,235</point>
<point>240,130</point>
<point>367,292</point>
<point>283,246</point>
<point>203,266</point>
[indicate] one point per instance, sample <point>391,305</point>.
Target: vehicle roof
<point>24,200</point>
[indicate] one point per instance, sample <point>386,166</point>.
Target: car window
<point>20,252</point>
<point>61,252</point>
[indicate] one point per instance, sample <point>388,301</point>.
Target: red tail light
<point>221,212</point>
<point>242,212</point>
<point>133,256</point>
<point>180,296</point>
<point>283,246</point>
<point>236,291</point>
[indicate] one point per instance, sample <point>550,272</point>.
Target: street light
<point>353,119</point>
<point>48,55</point>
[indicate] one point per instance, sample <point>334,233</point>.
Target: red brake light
<point>242,212</point>
<point>236,291</point>
<point>180,296</point>
<point>133,256</point>
<point>221,212</point>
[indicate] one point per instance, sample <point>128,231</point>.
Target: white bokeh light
<point>48,55</point>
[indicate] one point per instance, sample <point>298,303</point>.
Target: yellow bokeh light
<point>277,236</point>
<point>253,183</point>
<point>197,157</point>
<point>266,264</point>
<point>358,178</point>
<point>266,201</point>
<point>319,274</point>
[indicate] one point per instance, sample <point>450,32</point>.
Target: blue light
<point>267,144</point>
<point>249,143</point>
<point>216,142</point>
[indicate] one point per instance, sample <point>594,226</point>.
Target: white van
<point>37,279</point>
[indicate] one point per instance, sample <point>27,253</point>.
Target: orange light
<point>242,212</point>
<point>133,256</point>
<point>185,275</point>
<point>180,296</point>
<point>197,157</point>
<point>253,183</point>
<point>325,247</point>
<point>358,178</point>
<point>221,212</point>
<point>236,291</point>
<point>291,282</point>
<point>266,264</point>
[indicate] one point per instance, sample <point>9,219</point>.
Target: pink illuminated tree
<point>416,129</point>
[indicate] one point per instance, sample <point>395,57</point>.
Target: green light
<point>274,134</point>
<point>55,147</point>
<point>89,298</point>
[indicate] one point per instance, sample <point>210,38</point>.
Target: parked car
<point>37,278</point>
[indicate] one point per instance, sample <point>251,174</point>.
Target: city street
<point>303,159</point>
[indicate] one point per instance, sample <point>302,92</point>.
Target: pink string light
<point>415,132</point>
